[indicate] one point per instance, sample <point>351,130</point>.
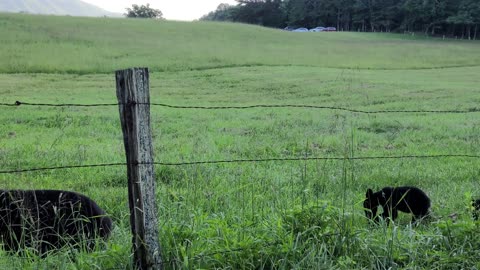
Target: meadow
<point>258,215</point>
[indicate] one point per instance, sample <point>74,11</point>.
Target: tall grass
<point>283,215</point>
<point>46,44</point>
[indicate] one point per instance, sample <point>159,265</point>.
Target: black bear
<point>393,199</point>
<point>50,219</point>
<point>476,209</point>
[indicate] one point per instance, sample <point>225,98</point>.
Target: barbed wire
<point>313,158</point>
<point>241,161</point>
<point>62,167</point>
<point>19,103</point>
<point>470,110</point>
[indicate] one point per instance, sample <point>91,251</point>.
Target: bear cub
<point>50,219</point>
<point>407,199</point>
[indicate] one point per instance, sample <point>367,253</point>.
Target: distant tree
<point>249,11</point>
<point>143,11</point>
<point>224,12</point>
<point>413,19</point>
<point>435,13</point>
<point>304,13</point>
<point>387,15</point>
<point>269,13</point>
<point>273,14</point>
<point>468,15</point>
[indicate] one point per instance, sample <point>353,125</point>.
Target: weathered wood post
<point>134,105</point>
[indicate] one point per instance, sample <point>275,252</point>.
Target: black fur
<point>393,199</point>
<point>476,209</point>
<point>50,219</point>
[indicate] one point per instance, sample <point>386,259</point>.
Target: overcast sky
<point>185,10</point>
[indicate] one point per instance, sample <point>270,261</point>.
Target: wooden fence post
<point>134,105</point>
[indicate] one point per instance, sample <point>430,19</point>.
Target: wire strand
<point>241,161</point>
<point>472,110</point>
<point>62,167</point>
<point>19,103</point>
<point>313,158</point>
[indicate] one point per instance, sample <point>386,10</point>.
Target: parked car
<point>317,29</point>
<point>289,28</point>
<point>330,29</point>
<point>301,29</point>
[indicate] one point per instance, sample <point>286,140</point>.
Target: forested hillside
<point>54,7</point>
<point>459,18</point>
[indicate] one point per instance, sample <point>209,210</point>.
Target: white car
<point>317,29</point>
<point>301,29</point>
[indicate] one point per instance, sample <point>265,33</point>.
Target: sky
<point>184,10</point>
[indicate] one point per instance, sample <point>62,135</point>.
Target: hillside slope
<point>100,45</point>
<point>54,7</point>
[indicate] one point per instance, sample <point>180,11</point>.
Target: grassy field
<point>284,215</point>
<point>76,45</point>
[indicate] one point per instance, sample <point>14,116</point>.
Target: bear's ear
<point>369,193</point>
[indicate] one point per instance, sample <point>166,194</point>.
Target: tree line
<point>454,18</point>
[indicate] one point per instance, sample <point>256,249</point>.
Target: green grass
<point>77,45</point>
<point>286,215</point>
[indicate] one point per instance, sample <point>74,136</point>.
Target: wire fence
<point>22,103</point>
<point>185,163</point>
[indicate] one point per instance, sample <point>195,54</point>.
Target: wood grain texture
<point>134,98</point>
